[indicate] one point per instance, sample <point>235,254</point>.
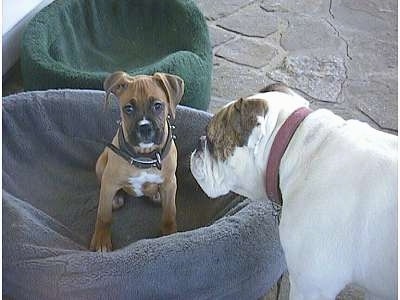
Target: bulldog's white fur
<point>339,186</point>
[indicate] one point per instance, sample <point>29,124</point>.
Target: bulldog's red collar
<point>279,145</point>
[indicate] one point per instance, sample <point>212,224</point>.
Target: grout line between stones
<point>238,63</point>
<point>372,120</point>
<point>232,13</point>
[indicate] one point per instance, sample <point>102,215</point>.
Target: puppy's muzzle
<point>146,132</point>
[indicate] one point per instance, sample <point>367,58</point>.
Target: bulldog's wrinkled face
<point>232,156</point>
<point>145,103</point>
<point>229,130</point>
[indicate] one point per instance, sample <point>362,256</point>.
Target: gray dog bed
<point>226,248</point>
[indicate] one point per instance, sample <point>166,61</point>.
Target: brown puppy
<point>142,158</point>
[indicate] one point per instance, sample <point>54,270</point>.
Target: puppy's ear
<point>115,83</point>
<point>174,87</point>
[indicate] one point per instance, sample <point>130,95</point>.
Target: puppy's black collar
<point>140,160</point>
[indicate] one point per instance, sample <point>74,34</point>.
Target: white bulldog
<point>338,181</point>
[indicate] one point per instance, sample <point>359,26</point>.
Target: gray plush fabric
<point>226,248</point>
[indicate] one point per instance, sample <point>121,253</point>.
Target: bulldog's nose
<point>145,132</point>
<point>201,144</point>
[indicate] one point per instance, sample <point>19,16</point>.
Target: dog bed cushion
<point>226,248</point>
<point>77,43</point>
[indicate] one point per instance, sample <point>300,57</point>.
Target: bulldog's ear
<point>276,87</point>
<point>246,115</point>
<point>236,118</point>
<point>174,87</point>
<point>115,83</point>
<point>250,107</point>
<point>238,105</point>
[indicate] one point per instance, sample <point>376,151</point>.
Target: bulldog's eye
<point>128,109</point>
<point>157,106</point>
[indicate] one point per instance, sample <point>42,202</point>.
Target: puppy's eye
<point>157,106</point>
<point>128,109</point>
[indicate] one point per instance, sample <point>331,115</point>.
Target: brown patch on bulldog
<point>232,126</point>
<point>276,87</point>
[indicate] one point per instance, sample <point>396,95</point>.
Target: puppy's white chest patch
<point>144,177</point>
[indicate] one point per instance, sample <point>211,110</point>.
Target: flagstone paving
<point>339,54</point>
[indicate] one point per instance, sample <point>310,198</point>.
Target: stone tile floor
<point>339,54</point>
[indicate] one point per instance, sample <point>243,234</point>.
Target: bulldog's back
<point>343,175</point>
<point>329,144</point>
<point>353,147</point>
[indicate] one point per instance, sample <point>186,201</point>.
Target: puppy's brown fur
<point>114,173</point>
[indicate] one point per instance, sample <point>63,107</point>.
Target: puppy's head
<point>145,103</point>
<point>236,137</point>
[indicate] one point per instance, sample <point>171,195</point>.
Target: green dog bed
<point>77,43</point>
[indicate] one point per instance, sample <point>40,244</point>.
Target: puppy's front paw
<point>101,241</point>
<point>118,200</point>
<point>168,228</point>
<point>156,198</point>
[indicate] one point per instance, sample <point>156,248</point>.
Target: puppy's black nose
<point>201,144</point>
<point>145,131</point>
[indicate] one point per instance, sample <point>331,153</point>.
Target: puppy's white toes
<point>118,201</point>
<point>157,197</point>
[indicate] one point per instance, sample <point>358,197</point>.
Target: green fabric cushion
<point>77,43</point>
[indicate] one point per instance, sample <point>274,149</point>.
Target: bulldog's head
<point>232,155</point>
<point>145,104</point>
